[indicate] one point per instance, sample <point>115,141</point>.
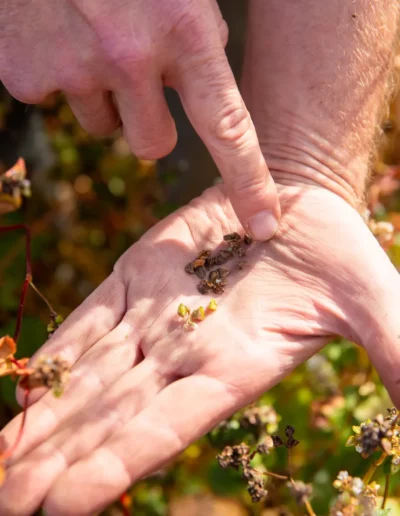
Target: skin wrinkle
<point>343,109</point>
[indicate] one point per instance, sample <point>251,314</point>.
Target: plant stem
<point>22,298</point>
<point>275,475</point>
<point>386,492</point>
<point>7,454</point>
<point>28,276</point>
<point>371,470</point>
<point>308,506</point>
<point>17,363</point>
<point>43,297</point>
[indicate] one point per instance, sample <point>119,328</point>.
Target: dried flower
<point>234,456</point>
<point>264,447</point>
<point>300,491</point>
<point>256,489</point>
<point>232,237</point>
<point>51,372</point>
<point>379,433</point>
<point>13,186</point>
<point>203,287</point>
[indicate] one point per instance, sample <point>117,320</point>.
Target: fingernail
<point>263,225</point>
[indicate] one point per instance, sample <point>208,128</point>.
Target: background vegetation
<point>91,201</point>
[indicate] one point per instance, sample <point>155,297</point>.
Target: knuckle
<point>77,84</point>
<point>132,59</point>
<point>154,150</point>
<point>233,126</point>
<point>247,186</point>
<point>190,30</point>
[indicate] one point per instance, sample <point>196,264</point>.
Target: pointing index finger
<point>216,109</point>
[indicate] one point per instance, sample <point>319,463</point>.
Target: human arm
<point>143,388</point>
<point>112,61</point>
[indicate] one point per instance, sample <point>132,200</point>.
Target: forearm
<point>314,80</point>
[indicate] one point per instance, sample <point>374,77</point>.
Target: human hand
<point>112,60</point>
<point>143,388</point>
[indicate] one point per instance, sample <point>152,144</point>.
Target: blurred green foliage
<point>91,205</point>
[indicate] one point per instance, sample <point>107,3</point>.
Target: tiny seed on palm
<point>201,272</point>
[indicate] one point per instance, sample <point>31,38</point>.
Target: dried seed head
<point>234,456</point>
<point>213,276</point>
<point>225,254</point>
<point>264,447</point>
<point>51,372</point>
<point>189,268</point>
<point>289,431</point>
<point>201,272</point>
<point>277,441</point>
<point>291,443</point>
<point>300,491</point>
<point>199,262</point>
<point>240,252</point>
<point>256,489</point>
<point>222,272</point>
<point>203,287</point>
<point>232,237</point>
<point>218,289</point>
<point>204,255</point>
<point>241,265</point>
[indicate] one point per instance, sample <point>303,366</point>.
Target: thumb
<point>216,110</point>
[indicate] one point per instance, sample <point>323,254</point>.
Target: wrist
<point>299,154</point>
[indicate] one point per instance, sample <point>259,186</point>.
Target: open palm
<point>143,387</point>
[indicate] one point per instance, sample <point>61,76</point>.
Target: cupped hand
<point>112,60</point>
<point>143,387</point>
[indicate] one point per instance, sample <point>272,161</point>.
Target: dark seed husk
<point>218,289</point>
<point>220,259</point>
<point>201,272</point>
<point>203,287</point>
<point>189,268</point>
<point>213,276</point>
<point>232,237</point>
<point>222,272</point>
<point>247,240</point>
<point>203,255</point>
<point>209,263</point>
<point>226,253</point>
<point>241,252</point>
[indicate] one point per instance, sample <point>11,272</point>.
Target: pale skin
<point>142,387</point>
<point>112,60</point>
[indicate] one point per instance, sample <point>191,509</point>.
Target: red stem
<point>28,277</point>
<point>7,454</point>
<point>125,509</point>
<point>17,363</point>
